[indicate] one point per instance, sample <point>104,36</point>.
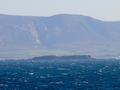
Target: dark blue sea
<point>60,74</point>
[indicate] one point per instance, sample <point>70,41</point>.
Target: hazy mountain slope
<point>81,33</point>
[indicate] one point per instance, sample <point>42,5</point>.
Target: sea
<point>60,74</point>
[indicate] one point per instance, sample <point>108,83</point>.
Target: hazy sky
<point>101,9</point>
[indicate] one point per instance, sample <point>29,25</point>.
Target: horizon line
<point>21,15</point>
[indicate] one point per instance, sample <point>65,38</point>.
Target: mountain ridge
<point>62,31</point>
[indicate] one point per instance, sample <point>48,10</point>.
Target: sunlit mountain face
<point>65,32</point>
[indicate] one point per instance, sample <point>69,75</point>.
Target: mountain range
<point>64,32</point>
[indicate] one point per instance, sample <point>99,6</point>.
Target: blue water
<point>71,74</point>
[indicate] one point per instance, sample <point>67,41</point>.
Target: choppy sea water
<point>71,74</point>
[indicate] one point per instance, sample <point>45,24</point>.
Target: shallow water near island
<point>60,74</point>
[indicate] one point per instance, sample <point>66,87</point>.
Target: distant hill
<point>64,31</point>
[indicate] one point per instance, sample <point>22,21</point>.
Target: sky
<point>101,9</point>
